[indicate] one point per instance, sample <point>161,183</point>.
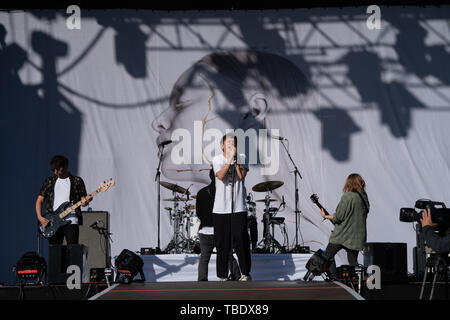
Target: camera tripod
<point>437,265</point>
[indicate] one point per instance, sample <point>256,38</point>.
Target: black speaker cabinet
<point>92,234</point>
<point>390,257</point>
<point>60,257</point>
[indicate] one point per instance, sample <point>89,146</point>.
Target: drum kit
<point>182,217</point>
<point>269,244</point>
<point>185,222</point>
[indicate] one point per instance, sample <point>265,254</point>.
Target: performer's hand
<point>426,218</point>
<point>85,200</point>
<point>322,212</point>
<point>231,152</point>
<point>43,221</point>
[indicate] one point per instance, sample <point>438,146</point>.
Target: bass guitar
<point>315,199</point>
<point>56,218</point>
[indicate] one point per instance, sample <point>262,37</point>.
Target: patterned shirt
<point>350,221</point>
<point>77,190</point>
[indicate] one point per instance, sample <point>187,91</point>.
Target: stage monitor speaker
<point>390,257</point>
<point>60,257</point>
<point>95,225</point>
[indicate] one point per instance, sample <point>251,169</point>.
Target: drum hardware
<point>181,214</point>
<point>269,220</point>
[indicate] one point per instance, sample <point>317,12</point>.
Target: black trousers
<point>71,232</point>
<point>207,245</point>
<point>253,229</point>
<point>231,233</point>
<point>333,248</point>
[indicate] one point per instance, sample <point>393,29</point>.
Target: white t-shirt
<point>222,200</point>
<point>207,231</point>
<point>62,194</point>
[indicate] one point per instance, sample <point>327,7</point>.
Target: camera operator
<point>435,242</point>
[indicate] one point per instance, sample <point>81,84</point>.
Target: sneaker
<point>223,279</point>
<point>245,278</point>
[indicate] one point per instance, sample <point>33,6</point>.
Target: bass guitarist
<point>350,232</point>
<point>58,189</point>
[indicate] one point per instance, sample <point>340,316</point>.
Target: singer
<point>230,209</point>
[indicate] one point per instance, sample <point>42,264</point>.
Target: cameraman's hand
<point>426,219</point>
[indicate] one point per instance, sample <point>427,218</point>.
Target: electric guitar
<point>56,218</point>
<point>315,199</point>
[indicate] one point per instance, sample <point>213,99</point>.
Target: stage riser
<point>184,267</point>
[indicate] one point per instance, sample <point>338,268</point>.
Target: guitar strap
<point>365,205</point>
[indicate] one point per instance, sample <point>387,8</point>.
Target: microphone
<point>164,143</point>
<point>283,203</point>
<point>278,138</point>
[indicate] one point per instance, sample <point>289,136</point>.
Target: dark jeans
<point>70,231</point>
<point>231,233</point>
<point>332,249</point>
<point>207,245</point>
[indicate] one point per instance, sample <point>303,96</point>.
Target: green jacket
<point>350,221</point>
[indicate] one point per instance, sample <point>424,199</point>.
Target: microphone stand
<point>297,211</point>
<point>233,175</point>
<point>158,179</point>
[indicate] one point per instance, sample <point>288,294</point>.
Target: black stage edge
<point>275,291</point>
<point>50,292</point>
<point>407,291</point>
<point>230,290</point>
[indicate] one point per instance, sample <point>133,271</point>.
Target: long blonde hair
<point>354,182</point>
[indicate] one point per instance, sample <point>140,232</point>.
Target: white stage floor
<point>183,267</point>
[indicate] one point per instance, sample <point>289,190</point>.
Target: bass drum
<point>251,206</point>
<point>192,225</point>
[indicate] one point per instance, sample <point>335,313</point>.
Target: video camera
<point>440,214</point>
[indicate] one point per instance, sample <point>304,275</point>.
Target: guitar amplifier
<point>390,257</point>
<point>60,257</point>
<point>95,225</point>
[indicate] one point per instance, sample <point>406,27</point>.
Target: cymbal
<point>177,199</point>
<point>267,186</point>
<point>174,187</point>
<point>264,200</point>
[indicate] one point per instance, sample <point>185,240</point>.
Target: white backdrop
<point>347,98</point>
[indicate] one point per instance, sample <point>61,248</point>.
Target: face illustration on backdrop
<point>222,92</point>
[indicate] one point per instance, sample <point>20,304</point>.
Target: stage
<point>229,290</point>
<point>184,267</point>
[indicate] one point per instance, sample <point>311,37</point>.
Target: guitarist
<point>58,189</point>
<point>350,232</point>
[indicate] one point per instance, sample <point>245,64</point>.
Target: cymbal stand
<point>177,217</point>
<point>187,242</point>
<point>268,239</point>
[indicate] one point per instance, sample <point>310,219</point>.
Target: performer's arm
<point>221,174</point>
<point>326,216</point>
<point>241,171</point>
<point>39,202</point>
